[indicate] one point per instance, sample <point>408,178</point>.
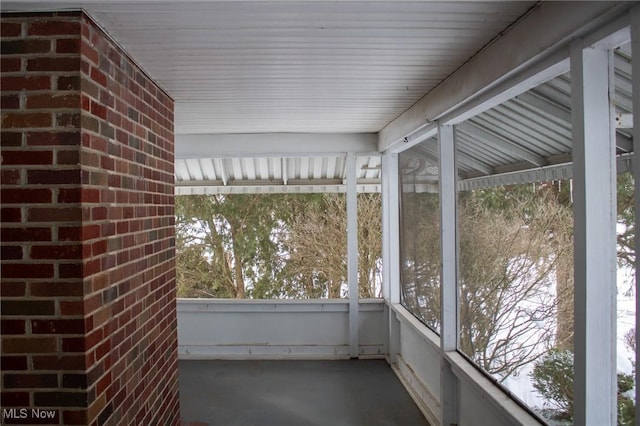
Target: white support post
<point>595,384</point>
<point>635,71</point>
<point>391,247</point>
<point>352,253</point>
<point>391,228</point>
<point>448,244</point>
<point>386,249</point>
<point>449,273</point>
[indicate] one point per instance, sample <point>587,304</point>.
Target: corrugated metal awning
<point>274,174</point>
<point>528,138</point>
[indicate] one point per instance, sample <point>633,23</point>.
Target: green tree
<point>273,245</point>
<point>225,242</point>
<point>553,377</point>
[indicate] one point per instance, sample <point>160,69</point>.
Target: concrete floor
<point>281,393</point>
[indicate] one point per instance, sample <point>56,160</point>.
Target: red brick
<point>68,158</point>
<point>27,157</point>
<point>12,289</point>
<point>37,270</point>
<point>69,45</point>
<point>70,270</point>
<point>74,381</point>
<point>25,196</point>
<point>105,382</point>
<point>11,252</point>
<point>99,77</point>
<point>98,213</point>
<point>73,344</point>
<point>53,138</point>
<point>28,345</point>
<point>15,399</point>
<point>10,101</point>
<point>69,195</point>
<point>14,363</point>
<point>51,177</point>
<point>26,120</point>
<point>53,64</point>
<point>68,252</point>
<point>93,339</point>
<point>90,195</point>
<point>70,233</point>
<point>99,247</point>
<point>21,47</point>
<point>10,215</point>
<point>58,326</point>
<point>10,29</point>
<point>99,110</point>
<point>57,362</point>
<point>53,28</point>
<point>89,52</point>
<point>74,307</point>
<point>25,234</point>
<point>90,159</point>
<point>57,289</point>
<point>10,139</point>
<point>12,326</point>
<point>71,82</point>
<point>27,381</point>
<point>92,267</point>
<point>68,120</point>
<point>9,176</point>
<point>50,101</point>
<point>10,64</point>
<point>122,271</point>
<point>18,83</point>
<point>60,399</point>
<point>27,307</point>
<point>74,417</point>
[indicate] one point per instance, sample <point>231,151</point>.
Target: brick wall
<point>87,237</point>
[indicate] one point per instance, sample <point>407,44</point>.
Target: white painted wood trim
<point>273,145</point>
<point>352,253</point>
<point>595,263</point>
<point>449,274</point>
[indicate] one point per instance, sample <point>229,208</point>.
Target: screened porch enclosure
<point>518,138</point>
<point>500,137</point>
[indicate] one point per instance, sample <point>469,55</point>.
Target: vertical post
<point>352,254</point>
<point>386,249</point>
<point>391,227</point>
<point>391,247</point>
<point>635,71</point>
<point>448,279</point>
<point>595,239</point>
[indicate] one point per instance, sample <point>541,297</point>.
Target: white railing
<point>268,329</point>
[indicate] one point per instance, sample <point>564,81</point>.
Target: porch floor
<point>230,393</point>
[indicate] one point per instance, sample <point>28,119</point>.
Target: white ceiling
<point>270,95</point>
<point>296,66</point>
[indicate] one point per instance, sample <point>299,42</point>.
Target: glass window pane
<point>626,305</point>
<point>516,290</point>
<point>626,300</point>
<point>420,232</point>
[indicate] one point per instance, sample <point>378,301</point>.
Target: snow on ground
<point>521,385</point>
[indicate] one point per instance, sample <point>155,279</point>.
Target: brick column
<point>87,238</point>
